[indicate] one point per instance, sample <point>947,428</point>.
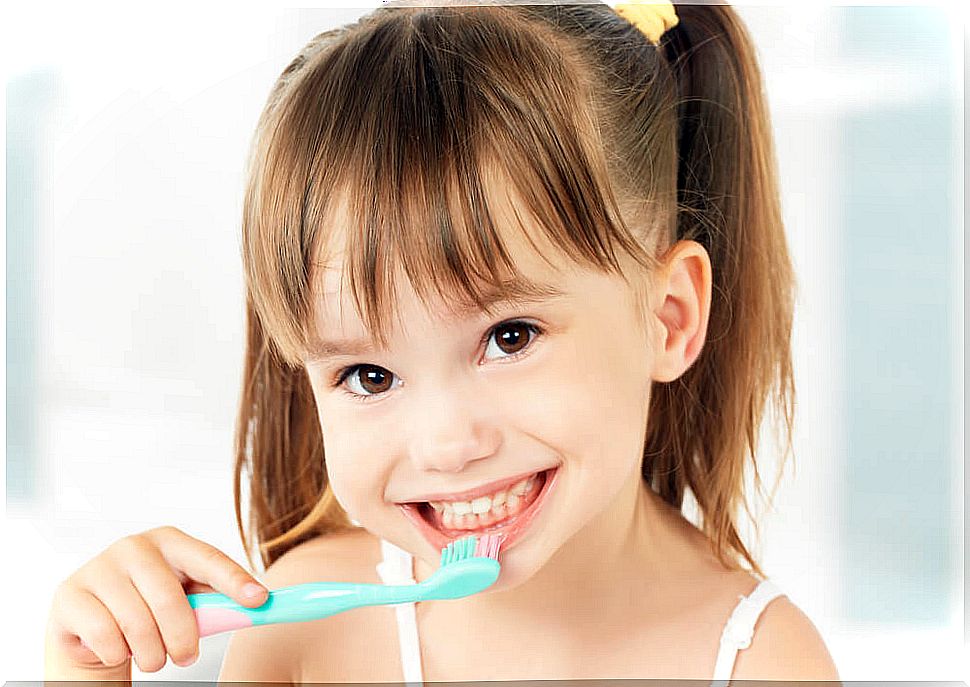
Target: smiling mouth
<point>488,514</point>
<point>505,509</point>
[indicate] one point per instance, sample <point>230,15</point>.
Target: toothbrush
<point>468,566</point>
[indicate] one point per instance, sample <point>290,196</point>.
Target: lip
<point>471,494</point>
<point>512,531</point>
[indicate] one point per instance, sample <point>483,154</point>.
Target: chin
<point>514,574</point>
<point>522,564</point>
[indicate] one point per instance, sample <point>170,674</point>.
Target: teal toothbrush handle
<point>218,613</point>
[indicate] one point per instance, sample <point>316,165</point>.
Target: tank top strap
<point>396,568</point>
<point>739,629</point>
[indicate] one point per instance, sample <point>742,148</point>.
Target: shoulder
<point>277,653</point>
<point>351,554</point>
<point>786,645</point>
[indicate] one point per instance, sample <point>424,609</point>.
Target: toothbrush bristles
<point>487,546</point>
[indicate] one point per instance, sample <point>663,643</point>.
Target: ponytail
<point>704,426</point>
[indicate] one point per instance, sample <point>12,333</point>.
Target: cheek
<point>345,487</point>
<point>582,403</point>
<point>352,462</point>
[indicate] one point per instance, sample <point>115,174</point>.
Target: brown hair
<point>616,146</point>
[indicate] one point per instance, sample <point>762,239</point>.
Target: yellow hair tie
<point>653,19</point>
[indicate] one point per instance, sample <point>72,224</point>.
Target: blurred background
<point>126,138</point>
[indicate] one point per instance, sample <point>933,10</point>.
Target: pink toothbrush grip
<point>215,620</point>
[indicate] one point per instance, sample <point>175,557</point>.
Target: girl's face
<point>460,402</point>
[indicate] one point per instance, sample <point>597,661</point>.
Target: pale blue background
<point>895,169</point>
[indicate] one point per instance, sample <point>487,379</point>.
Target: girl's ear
<point>684,294</point>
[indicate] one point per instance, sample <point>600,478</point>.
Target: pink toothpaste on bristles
<point>489,546</point>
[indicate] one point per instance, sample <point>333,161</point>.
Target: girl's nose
<point>448,433</point>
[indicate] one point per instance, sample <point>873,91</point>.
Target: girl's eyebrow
<point>514,293</point>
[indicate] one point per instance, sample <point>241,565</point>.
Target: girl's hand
<point>130,602</point>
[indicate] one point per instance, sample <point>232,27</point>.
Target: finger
<point>90,634</point>
<point>208,565</point>
<point>167,601</point>
<point>135,619</point>
<point>193,587</point>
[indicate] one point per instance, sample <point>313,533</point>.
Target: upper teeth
<point>483,504</point>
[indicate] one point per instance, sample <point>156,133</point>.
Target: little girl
<point>514,269</point>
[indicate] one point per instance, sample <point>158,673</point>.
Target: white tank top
<point>396,568</point>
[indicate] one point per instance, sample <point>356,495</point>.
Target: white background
<point>140,304</point>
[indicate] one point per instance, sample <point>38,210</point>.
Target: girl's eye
<point>367,382</point>
<point>512,338</point>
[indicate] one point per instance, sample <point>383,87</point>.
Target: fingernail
<point>253,591</point>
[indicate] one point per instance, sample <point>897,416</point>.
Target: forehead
<point>532,280</point>
<point>328,339</point>
<point>453,240</point>
<point>539,272</point>
<point>535,259</point>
